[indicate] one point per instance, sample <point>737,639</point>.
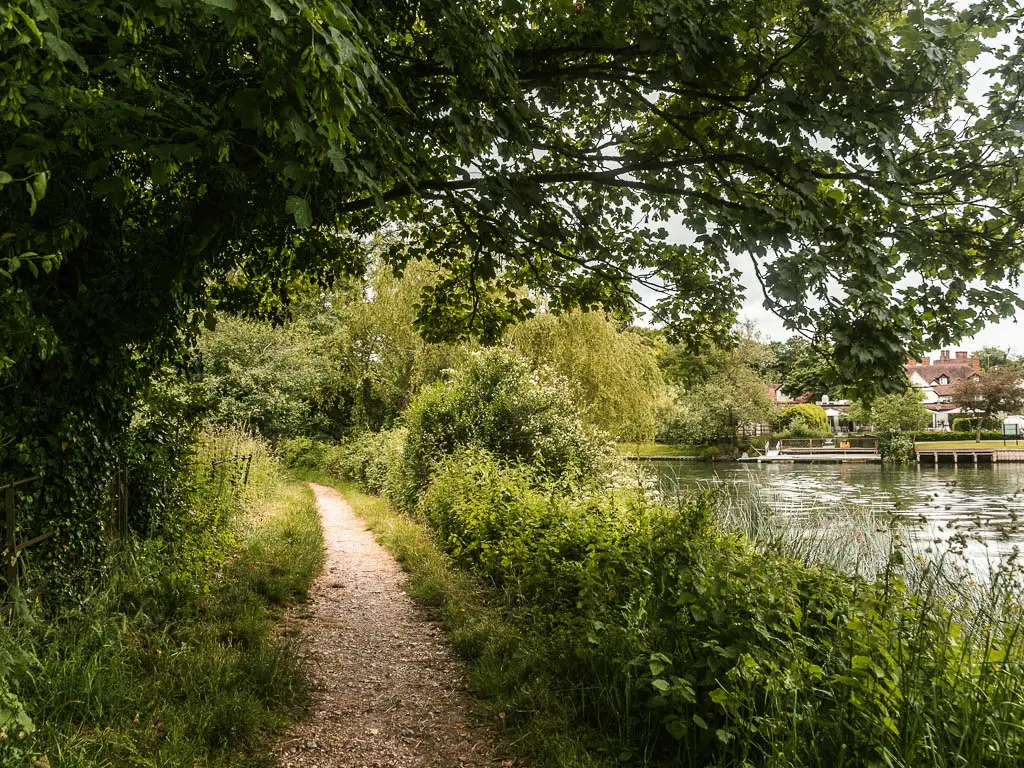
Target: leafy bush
<point>499,404</point>
<point>970,424</point>
<point>896,448</point>
<point>303,452</point>
<point>692,647</point>
<point>267,378</point>
<point>936,437</point>
<point>803,420</point>
<point>373,461</point>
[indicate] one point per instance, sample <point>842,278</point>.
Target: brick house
<point>937,379</point>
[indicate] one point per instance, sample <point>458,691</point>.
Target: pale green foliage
<point>612,374</point>
<point>716,407</point>
<point>384,359</point>
<point>716,389</point>
<point>802,420</point>
<point>901,412</point>
<point>688,368</point>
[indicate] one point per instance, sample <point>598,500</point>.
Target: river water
<point>981,507</point>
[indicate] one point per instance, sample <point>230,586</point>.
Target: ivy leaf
<point>299,208</point>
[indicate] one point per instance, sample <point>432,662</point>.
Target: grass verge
<point>177,660</point>
<point>507,669</point>
<point>984,445</point>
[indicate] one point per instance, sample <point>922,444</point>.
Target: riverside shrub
<point>499,404</point>
<point>696,649</point>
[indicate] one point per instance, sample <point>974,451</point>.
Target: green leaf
<point>38,183</point>
<point>299,208</point>
<point>63,51</point>
<point>228,5</point>
<point>5,178</point>
<point>32,199</point>
<point>275,11</point>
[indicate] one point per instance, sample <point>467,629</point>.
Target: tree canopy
<point>1000,390</point>
<point>163,158</point>
<point>899,412</point>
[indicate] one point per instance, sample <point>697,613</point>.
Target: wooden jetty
<point>812,457</point>
<point>973,456</point>
<point>812,450</point>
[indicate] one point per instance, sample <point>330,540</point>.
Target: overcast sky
<point>1008,334</point>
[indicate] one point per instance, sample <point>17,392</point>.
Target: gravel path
<point>387,692</point>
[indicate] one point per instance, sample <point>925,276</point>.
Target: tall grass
<point>175,660</point>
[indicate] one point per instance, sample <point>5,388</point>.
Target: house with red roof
<point>937,379</point>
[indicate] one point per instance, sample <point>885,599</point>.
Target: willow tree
<point>613,373</point>
<point>162,157</point>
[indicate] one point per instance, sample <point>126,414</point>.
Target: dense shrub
<point>497,403</point>
<point>969,424</point>
<point>896,448</point>
<point>304,453</point>
<point>803,420</point>
<point>695,649</point>
<point>933,437</point>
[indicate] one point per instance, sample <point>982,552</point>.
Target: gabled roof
<point>953,371</point>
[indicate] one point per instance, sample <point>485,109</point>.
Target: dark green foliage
<point>969,425</point>
<point>499,404</point>
<point>163,158</point>
<point>176,659</point>
<point>938,437</point>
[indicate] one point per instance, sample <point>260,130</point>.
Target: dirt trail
<point>387,692</point>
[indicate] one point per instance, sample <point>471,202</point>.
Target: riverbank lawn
<point>986,445</point>
<point>655,449</point>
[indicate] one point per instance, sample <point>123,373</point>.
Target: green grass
<point>506,669</point>
<point>987,445</point>
<point>177,660</point>
<point>655,449</point>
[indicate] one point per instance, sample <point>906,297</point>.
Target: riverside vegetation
<point>661,635</point>
<point>172,658</point>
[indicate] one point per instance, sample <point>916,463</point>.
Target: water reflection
<point>982,505</point>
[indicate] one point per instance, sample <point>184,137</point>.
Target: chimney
<point>944,356</point>
<point>926,361</point>
<point>961,357</point>
<point>975,362</point>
